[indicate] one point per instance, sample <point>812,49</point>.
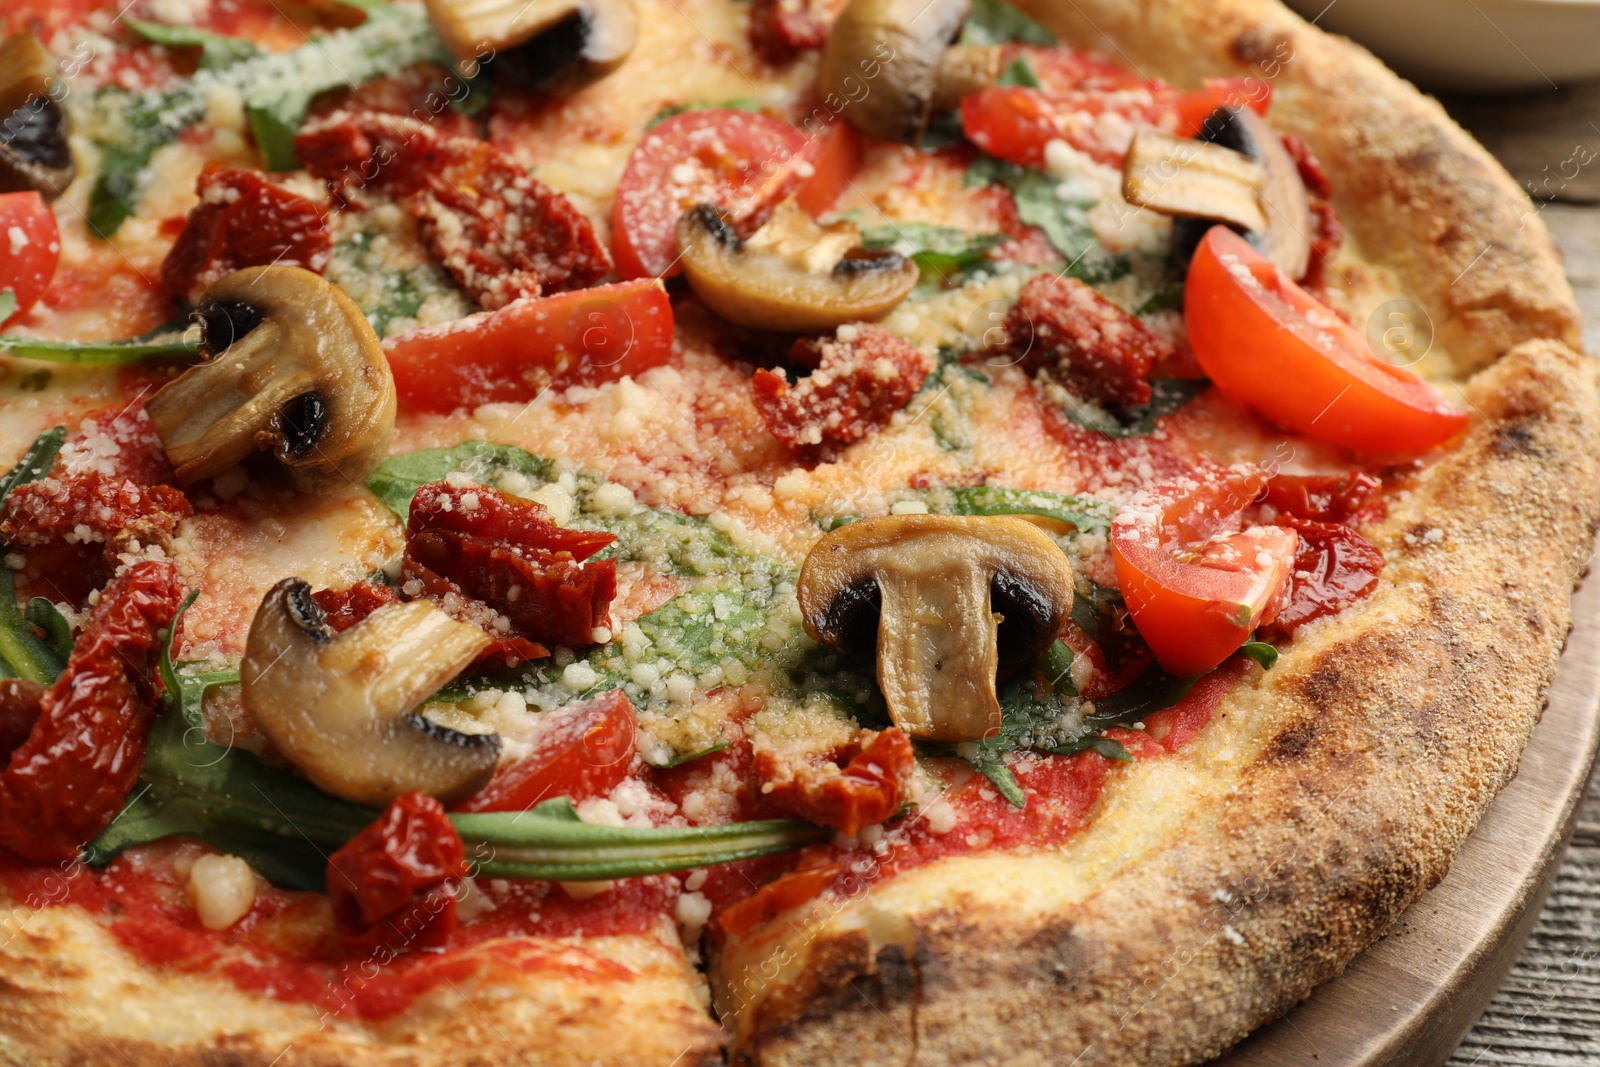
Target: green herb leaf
<point>138,123</point>
<point>1056,665</point>
<point>275,118</point>
<point>1089,514</point>
<point>1065,222</point>
<point>944,254</point>
<point>1019,74</point>
<point>1154,690</point>
<point>1109,747</point>
<point>45,616</point>
<point>26,654</point>
<point>36,461</point>
<point>943,130</point>
<point>690,757</point>
<point>216,50</point>
<point>1261,652</point>
<point>1167,396</point>
<point>997,22</point>
<point>98,353</point>
<point>738,103</point>
<point>1167,298</point>
<point>375,9</point>
<point>398,478</point>
<point>8,304</point>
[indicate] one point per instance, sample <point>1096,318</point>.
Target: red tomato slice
<point>716,155</point>
<point>585,336</point>
<point>585,751</point>
<point>1271,346</point>
<point>1016,124</point>
<point>1196,580</point>
<point>30,245</point>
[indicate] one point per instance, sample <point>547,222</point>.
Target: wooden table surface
<point>1547,1013</point>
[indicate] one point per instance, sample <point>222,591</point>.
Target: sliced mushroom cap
<point>294,367</point>
<point>946,601</point>
<point>556,46</point>
<point>889,63</point>
<point>34,154</point>
<point>792,274</point>
<point>1194,181</point>
<point>338,706</point>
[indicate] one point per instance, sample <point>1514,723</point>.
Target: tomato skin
<point>584,336</point>
<point>1196,590</point>
<point>586,752</point>
<point>1271,346</point>
<point>390,885</point>
<point>26,267</point>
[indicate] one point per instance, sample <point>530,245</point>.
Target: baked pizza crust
<point>1218,889</point>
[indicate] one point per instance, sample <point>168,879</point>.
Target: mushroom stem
<point>1177,176</point>
<point>938,651</point>
<point>963,69</point>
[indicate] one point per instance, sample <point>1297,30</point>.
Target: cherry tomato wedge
<point>30,245</point>
<point>1271,346</point>
<point>585,336</point>
<point>1016,124</point>
<point>743,161</point>
<point>1197,580</point>
<point>585,751</point>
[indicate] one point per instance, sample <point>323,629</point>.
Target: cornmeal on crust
<point>1215,891</point>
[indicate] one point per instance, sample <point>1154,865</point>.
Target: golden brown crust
<point>1329,796</point>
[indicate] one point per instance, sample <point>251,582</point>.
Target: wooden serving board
<point>1408,1000</point>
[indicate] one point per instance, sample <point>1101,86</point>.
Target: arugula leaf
<point>997,22</point>
<point>216,50</point>
<point>1089,514</point>
<point>1261,652</point>
<point>275,117</point>
<point>1167,396</point>
<point>25,653</point>
<point>1019,74</point>
<point>138,123</point>
<point>1056,666</point>
<point>690,757</point>
<point>398,478</point>
<point>8,304</point>
<point>35,462</point>
<point>98,353</point>
<point>738,103</point>
<point>943,253</point>
<point>1167,298</point>
<point>46,617</point>
<point>1154,690</point>
<point>1065,223</point>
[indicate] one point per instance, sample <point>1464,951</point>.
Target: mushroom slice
<point>1284,207</point>
<point>34,154</point>
<point>1177,176</point>
<point>338,706</point>
<point>889,63</point>
<point>946,600</point>
<point>792,274</point>
<point>557,46</point>
<point>294,367</point>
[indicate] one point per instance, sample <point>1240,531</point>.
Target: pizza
<point>752,531</point>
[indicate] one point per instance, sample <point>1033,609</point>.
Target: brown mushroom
<point>1236,172</point>
<point>34,154</point>
<point>294,367</point>
<point>339,706</point>
<point>792,274</point>
<point>946,601</point>
<point>555,46</point>
<point>889,64</point>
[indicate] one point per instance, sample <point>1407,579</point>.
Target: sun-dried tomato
<point>344,608</point>
<point>422,92</point>
<point>19,710</point>
<point>503,551</point>
<point>1063,327</point>
<point>1322,497</point>
<point>781,29</point>
<point>1327,232</point>
<point>864,784</point>
<point>862,378</point>
<point>785,893</point>
<point>68,780</point>
<point>90,507</point>
<point>582,751</point>
<point>501,232</point>
<point>392,886</point>
<point>243,220</point>
<point>1333,568</point>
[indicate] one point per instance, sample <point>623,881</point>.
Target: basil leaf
<point>1261,652</point>
<point>36,461</point>
<point>1154,690</point>
<point>1167,298</point>
<point>136,124</point>
<point>216,50</point>
<point>944,254</point>
<point>275,118</point>
<point>1089,514</point>
<point>98,353</point>
<point>1065,223</point>
<point>1019,75</point>
<point>1167,395</point>
<point>740,103</point>
<point>1056,665</point>
<point>997,22</point>
<point>1109,747</point>
<point>398,478</point>
<point>8,304</point>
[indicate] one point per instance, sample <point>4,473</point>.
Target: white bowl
<point>1474,45</point>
